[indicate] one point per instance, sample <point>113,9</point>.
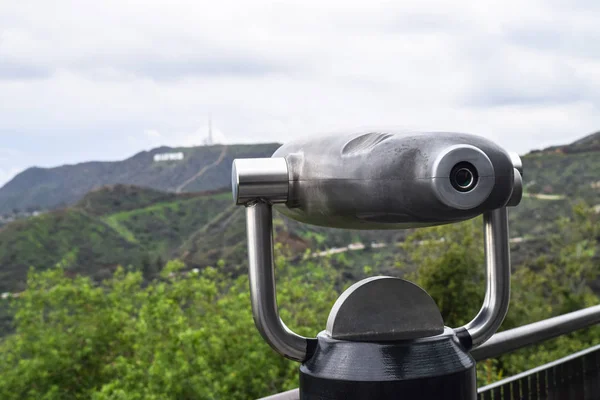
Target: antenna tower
<point>210,136</point>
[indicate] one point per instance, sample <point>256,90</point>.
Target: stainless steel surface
<point>378,181</point>
<point>264,178</point>
<point>387,180</point>
<point>514,339</point>
<point>497,294</point>
<point>517,193</point>
<point>383,308</point>
<point>289,395</point>
<point>516,161</point>
<point>444,164</point>
<point>259,221</point>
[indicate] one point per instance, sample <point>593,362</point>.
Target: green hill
<point>118,328</point>
<point>118,198</point>
<point>103,231</point>
<point>555,179</point>
<point>139,227</point>
<point>87,244</point>
<point>122,224</point>
<point>586,144</point>
<point>203,168</point>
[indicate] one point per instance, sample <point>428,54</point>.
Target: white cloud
<point>152,138</point>
<point>6,173</point>
<point>103,80</point>
<point>11,162</point>
<point>152,133</point>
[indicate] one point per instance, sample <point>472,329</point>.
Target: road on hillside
<point>180,188</point>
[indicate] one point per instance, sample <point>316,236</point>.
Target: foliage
<point>159,228</point>
<point>184,336</point>
<point>178,333</point>
<point>86,329</point>
<point>127,225</point>
<point>112,199</point>
<point>43,241</point>
<point>568,174</point>
<point>450,260</point>
<point>199,229</point>
<point>554,284</point>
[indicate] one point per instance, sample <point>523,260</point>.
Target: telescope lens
<point>463,177</point>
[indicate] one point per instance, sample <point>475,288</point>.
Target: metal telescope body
<point>385,336</point>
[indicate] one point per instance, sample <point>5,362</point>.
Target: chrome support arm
<point>262,285</point>
<point>257,184</point>
<point>497,294</point>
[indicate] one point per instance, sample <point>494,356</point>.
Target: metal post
<point>262,285</point>
<point>497,295</point>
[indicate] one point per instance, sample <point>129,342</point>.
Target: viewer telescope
<point>385,336</point>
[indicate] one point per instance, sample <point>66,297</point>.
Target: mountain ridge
<point>203,168</point>
<point>587,144</point>
<point>124,224</point>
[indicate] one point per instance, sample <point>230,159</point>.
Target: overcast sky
<point>102,80</point>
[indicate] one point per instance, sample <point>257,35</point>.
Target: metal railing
<point>552,381</point>
<point>289,395</point>
<point>537,332</point>
<point>575,377</point>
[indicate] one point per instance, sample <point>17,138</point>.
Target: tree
<point>187,335</point>
<point>449,263</point>
<point>450,267</point>
<point>160,264</point>
<point>182,336</point>
<point>556,283</point>
<point>148,269</point>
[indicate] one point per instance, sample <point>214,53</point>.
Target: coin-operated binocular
<point>385,337</point>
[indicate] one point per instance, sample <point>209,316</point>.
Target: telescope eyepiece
<point>464,177</point>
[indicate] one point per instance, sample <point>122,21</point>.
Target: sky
<point>102,80</point>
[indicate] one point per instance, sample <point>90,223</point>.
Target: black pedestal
<point>436,368</point>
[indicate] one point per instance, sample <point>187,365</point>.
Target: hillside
<point>123,224</point>
<point>118,326</point>
<point>224,238</point>
<point>553,181</point>
<point>117,198</point>
<point>586,144</point>
<point>69,235</point>
<point>203,168</point>
<point>209,168</point>
<point>94,241</point>
<point>142,228</point>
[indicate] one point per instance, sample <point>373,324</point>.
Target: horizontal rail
<point>289,395</point>
<point>537,332</point>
